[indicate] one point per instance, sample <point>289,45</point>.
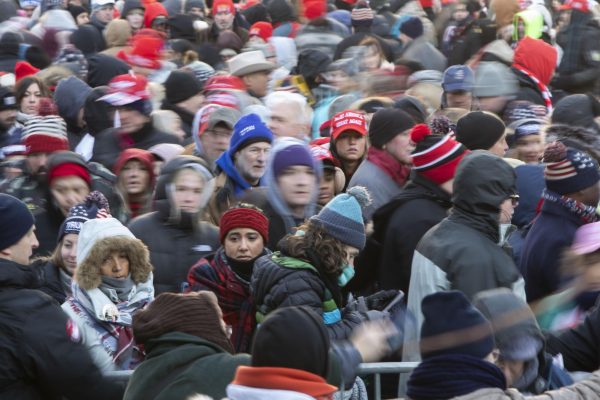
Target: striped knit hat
<point>362,15</point>
<point>568,170</point>
<point>435,157</point>
<point>45,134</point>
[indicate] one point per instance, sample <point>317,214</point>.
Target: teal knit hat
<point>342,217</point>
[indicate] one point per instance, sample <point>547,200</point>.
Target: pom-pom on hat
<point>244,217</point>
<point>95,205</point>
<point>436,157</point>
<point>568,170</point>
<point>342,217</point>
<point>467,332</point>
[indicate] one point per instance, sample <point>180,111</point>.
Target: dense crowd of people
<point>248,199</point>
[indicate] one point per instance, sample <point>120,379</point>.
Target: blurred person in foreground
<point>41,355</point>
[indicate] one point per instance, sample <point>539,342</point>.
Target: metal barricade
<point>378,369</point>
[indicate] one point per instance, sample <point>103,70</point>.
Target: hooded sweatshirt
<point>462,251</point>
<point>69,96</point>
<point>102,68</point>
<point>274,195</point>
<point>176,239</point>
<point>117,35</point>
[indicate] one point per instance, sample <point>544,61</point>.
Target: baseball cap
<point>346,121</point>
<point>458,78</point>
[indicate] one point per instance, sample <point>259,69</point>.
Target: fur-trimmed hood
<point>98,239</point>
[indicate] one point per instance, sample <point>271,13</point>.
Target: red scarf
<point>393,168</point>
<point>284,379</point>
<point>542,88</point>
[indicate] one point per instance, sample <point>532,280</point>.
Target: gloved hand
<point>378,301</point>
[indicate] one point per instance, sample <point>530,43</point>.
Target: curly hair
<point>331,252</point>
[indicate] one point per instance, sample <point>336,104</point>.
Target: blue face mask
<point>347,274</point>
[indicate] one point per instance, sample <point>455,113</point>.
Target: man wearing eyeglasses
<point>462,252</point>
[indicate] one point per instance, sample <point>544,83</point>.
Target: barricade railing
<point>376,369</point>
<point>381,368</point>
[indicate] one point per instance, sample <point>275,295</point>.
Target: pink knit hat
<point>587,239</point>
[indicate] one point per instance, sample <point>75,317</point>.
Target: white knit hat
<point>96,229</point>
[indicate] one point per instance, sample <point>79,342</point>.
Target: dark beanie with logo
<point>386,124</point>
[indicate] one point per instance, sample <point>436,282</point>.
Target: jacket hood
<point>511,318</point>
<point>274,195</point>
<point>69,96</point>
<point>144,156</point>
<point>163,199</point>
<point>154,10</point>
<point>481,183</point>
<point>97,114</point>
<point>102,68</point>
<point>536,56</point>
<point>98,239</point>
<point>117,33</point>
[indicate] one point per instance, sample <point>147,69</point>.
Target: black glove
<point>381,299</point>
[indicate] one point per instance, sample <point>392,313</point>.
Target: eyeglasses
<point>514,198</point>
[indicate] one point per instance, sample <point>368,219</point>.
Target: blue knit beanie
<point>295,154</point>
<point>249,129</point>
<point>342,217</point>
<point>15,220</point>
<point>466,332</point>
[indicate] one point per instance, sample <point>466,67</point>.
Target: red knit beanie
<point>69,169</point>
<point>435,157</point>
<point>242,217</point>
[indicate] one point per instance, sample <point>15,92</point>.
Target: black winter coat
<point>40,357</point>
<point>108,145</point>
<point>424,204</point>
<point>176,242</point>
<point>51,285</point>
<point>274,286</point>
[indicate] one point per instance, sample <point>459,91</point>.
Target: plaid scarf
<point>233,294</point>
<point>586,213</point>
<point>542,88</point>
